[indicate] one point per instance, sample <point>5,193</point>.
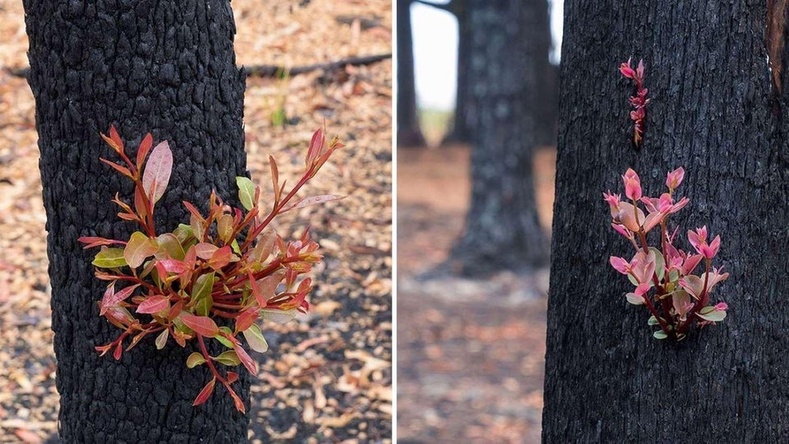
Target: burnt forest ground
<point>470,353</point>
<point>328,377</point>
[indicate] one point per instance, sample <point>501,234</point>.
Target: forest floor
<point>328,377</point>
<point>470,353</point>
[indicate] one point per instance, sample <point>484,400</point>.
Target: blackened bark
<point>166,67</point>
<point>607,379</point>
<point>409,133</point>
<point>502,229</point>
<point>461,126</point>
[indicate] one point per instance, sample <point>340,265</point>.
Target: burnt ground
<point>328,376</point>
<point>470,353</point>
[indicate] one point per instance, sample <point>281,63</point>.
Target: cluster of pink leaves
<point>638,101</point>
<point>664,278</point>
<point>223,268</point>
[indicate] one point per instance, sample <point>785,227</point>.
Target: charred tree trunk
<point>502,229</point>
<point>167,67</point>
<point>715,112</point>
<point>409,133</point>
<point>461,130</point>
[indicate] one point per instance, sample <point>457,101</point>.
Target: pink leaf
<point>202,325</point>
<point>247,360</point>
<point>111,298</point>
<point>154,304</point>
<point>157,171</point>
<point>205,250</point>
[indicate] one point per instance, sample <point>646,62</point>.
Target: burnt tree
<point>717,111</point>
<point>167,67</point>
<point>502,228</point>
<point>409,133</point>
<point>545,103</point>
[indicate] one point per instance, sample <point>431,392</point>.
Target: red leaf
<point>172,266</point>
<point>111,298</point>
<point>247,360</point>
<point>232,377</point>
<point>116,137</point>
<point>316,144</point>
<point>274,177</point>
<point>141,204</point>
<point>239,404</point>
<point>142,151</point>
<point>114,141</point>
<point>157,171</point>
<point>192,209</point>
<point>121,169</point>
<point>220,258</point>
<point>246,318</point>
<point>154,304</point>
<point>313,200</point>
<point>118,351</point>
<point>91,241</point>
<point>205,393</point>
<point>202,325</point>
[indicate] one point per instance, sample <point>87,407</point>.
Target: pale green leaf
<point>255,339</point>
<point>246,192</point>
<point>110,258</point>
<point>194,360</point>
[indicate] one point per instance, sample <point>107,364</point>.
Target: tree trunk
<point>502,228</point>
<point>714,112</point>
<point>408,132</point>
<point>461,128</point>
<point>166,67</point>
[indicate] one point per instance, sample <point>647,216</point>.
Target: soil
<point>470,353</point>
<point>328,376</point>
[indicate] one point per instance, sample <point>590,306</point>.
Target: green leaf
<point>634,299</point>
<point>224,341</point>
<point>110,258</point>
<point>711,314</point>
<point>170,244</point>
<point>224,227</point>
<point>194,360</point>
<point>278,316</point>
<point>255,339</point>
<point>236,248</point>
<point>652,321</point>
<point>228,358</point>
<point>157,171</point>
<point>660,334</point>
<point>201,293</point>
<point>246,192</point>
<point>161,340</point>
<point>183,233</point>
<point>139,248</point>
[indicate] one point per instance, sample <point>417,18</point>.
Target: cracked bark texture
<point>607,379</point>
<point>502,229</point>
<point>167,67</point>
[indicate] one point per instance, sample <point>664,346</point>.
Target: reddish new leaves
<point>638,101</point>
<point>211,279</point>
<point>663,277</point>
